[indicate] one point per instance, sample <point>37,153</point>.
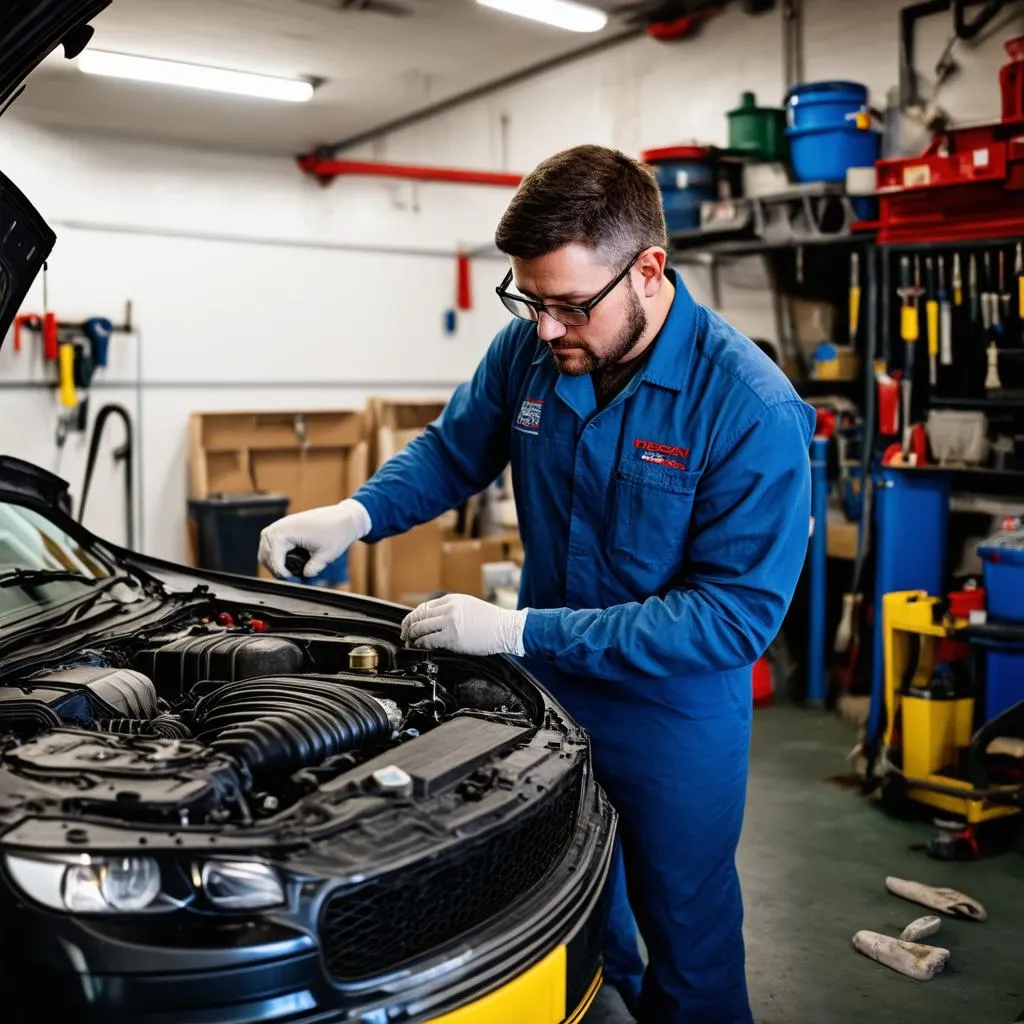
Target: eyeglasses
<point>570,316</point>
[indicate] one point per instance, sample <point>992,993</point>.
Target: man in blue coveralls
<point>661,476</point>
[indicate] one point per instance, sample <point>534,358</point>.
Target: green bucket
<point>757,132</point>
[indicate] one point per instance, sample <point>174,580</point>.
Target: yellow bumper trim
<point>537,996</point>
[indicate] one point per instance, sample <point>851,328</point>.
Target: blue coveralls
<point>664,536</point>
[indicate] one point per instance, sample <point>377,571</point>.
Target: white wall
<point>248,293</point>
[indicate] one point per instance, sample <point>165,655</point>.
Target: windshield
<point>30,543</point>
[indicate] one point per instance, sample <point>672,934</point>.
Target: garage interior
<point>252,305</point>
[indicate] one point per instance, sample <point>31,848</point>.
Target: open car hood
<point>29,31</point>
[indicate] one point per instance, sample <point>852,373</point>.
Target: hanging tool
<point>84,368</point>
<point>909,332</point>
<point>993,330</point>
<point>68,394</point>
<point>51,341</point>
<point>958,284</point>
<point>1018,269</point>
<point>932,308</point>
<point>97,330</point>
<point>945,319</point>
<point>976,310</point>
<point>30,321</point>
<point>854,296</point>
<point>992,380</point>
<point>989,300</point>
<point>1004,295</point>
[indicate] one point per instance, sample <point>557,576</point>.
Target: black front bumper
<point>89,971</point>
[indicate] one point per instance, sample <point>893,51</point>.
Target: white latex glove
<point>465,625</point>
<point>326,533</point>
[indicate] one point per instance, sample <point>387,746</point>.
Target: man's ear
<point>652,268</point>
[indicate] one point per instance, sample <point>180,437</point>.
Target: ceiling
<point>376,67</point>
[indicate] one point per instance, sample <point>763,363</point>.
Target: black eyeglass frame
<point>583,310</point>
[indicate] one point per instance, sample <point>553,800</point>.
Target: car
<point>226,798</point>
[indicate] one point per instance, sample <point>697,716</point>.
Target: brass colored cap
<point>363,657</point>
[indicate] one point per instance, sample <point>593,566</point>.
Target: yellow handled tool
<point>932,315</point>
<point>909,332</point>
<point>854,296</point>
<point>68,394</point>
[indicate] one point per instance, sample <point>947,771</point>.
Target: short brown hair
<point>589,195</point>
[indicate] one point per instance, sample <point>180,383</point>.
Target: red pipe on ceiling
<point>326,170</point>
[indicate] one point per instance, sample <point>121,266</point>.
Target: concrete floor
<point>813,861</point>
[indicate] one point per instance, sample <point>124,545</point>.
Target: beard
<point>588,361</point>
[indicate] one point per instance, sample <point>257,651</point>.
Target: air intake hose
<point>169,727</point>
<point>282,724</point>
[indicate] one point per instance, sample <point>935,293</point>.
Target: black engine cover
<point>95,773</point>
<point>79,696</point>
<point>177,666</point>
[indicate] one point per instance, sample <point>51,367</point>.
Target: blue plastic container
<point>1004,679</point>
<point>829,130</point>
<point>823,104</point>
<point>1003,571</point>
<point>826,154</point>
<point>686,177</point>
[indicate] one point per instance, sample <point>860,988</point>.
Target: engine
<point>221,720</point>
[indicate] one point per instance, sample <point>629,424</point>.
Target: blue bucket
<point>686,177</point>
<point>827,153</point>
<point>826,130</point>
<point>823,104</point>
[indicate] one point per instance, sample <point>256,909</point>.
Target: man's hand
<point>326,533</point>
<point>465,625</point>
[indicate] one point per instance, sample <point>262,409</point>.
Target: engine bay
<point>223,718</point>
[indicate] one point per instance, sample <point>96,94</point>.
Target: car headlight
<point>241,884</point>
<point>121,884</point>
<point>85,884</point>
<point>89,885</point>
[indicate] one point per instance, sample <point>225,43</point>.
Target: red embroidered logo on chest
<point>662,454</point>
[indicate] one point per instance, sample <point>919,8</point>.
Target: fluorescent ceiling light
<point>194,76</point>
<point>560,13</point>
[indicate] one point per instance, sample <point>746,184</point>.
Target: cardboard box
<point>434,557</point>
<point>463,563</point>
<point>405,569</point>
<point>394,423</point>
<point>313,456</point>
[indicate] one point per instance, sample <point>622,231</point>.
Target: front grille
<point>377,926</point>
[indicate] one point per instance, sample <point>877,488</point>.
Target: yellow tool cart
<point>935,752</point>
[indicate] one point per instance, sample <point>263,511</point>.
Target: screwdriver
<point>972,290</point>
<point>945,319</point>
<point>932,310</point>
<point>854,295</point>
<point>974,299</point>
<point>909,331</point>
<point>1018,269</point>
<point>987,296</point>
<point>1004,295</point>
<point>958,285</point>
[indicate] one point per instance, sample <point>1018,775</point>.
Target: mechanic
<point>661,476</point>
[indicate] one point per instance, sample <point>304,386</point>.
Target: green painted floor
<point>813,861</point>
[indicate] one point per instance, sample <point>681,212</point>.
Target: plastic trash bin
<point>228,529</point>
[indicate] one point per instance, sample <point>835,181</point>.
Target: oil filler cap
<point>363,658</point>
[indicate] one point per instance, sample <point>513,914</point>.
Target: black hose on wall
<point>282,724</point>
